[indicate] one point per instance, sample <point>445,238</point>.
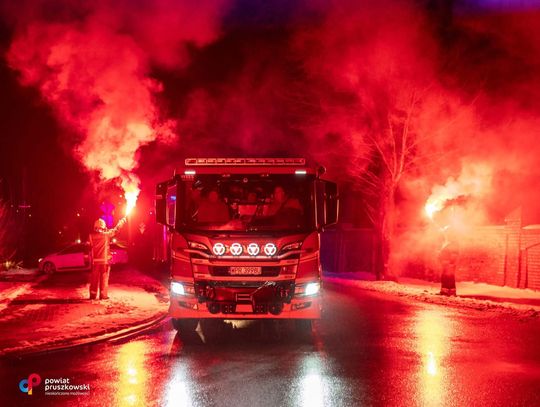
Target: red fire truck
<point>243,238</point>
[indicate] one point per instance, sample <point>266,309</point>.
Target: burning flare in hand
<point>131,192</point>
<point>131,200</point>
<point>474,182</point>
<point>432,206</point>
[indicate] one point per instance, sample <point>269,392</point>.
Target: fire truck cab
<point>243,238</point>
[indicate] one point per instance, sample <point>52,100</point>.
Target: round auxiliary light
<point>270,249</point>
<point>253,249</point>
<point>219,249</point>
<point>236,249</point>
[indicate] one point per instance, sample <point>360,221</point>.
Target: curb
<point>522,311</point>
<point>155,288</point>
<point>103,336</point>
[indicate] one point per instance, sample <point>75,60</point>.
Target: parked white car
<point>77,257</point>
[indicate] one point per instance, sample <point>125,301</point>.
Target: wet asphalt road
<point>369,349</point>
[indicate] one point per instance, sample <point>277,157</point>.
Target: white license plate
<point>245,271</point>
<point>244,309</point>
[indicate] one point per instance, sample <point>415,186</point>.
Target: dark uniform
<point>100,241</point>
<point>212,209</point>
<point>448,258</point>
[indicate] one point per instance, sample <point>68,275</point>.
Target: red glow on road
<point>132,375</point>
<point>433,331</point>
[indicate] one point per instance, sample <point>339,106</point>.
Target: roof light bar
<point>245,161</point>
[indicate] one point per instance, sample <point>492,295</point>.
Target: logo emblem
<point>236,249</point>
<point>26,385</point>
<point>219,249</point>
<point>270,249</point>
<point>253,249</point>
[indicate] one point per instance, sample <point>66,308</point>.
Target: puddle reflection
<point>303,380</point>
<point>433,331</point>
<point>132,375</point>
<point>178,389</point>
<point>312,386</point>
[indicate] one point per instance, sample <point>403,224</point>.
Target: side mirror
<point>331,203</point>
<point>319,205</point>
<point>161,203</point>
<point>170,207</point>
<point>166,193</point>
<point>327,203</point>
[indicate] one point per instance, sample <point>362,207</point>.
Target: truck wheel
<point>214,331</point>
<point>184,325</point>
<point>186,330</point>
<point>304,328</point>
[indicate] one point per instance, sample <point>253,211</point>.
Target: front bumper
<point>226,302</point>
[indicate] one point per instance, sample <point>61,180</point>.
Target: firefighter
<point>281,201</point>
<point>212,209</point>
<point>448,257</point>
<point>101,257</point>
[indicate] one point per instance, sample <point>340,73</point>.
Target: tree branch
<point>381,153</point>
<point>392,137</point>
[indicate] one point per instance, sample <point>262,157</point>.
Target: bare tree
<point>407,134</point>
<point>370,138</point>
<point>376,137</point>
<point>392,139</point>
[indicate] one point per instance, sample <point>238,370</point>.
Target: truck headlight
<point>312,288</point>
<point>198,246</point>
<point>177,288</point>
<point>291,246</point>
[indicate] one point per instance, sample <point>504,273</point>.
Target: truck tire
<point>186,328</point>
<point>304,328</point>
<point>214,331</point>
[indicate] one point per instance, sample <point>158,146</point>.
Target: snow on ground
<point>54,311</point>
<point>10,291</point>
<point>19,271</point>
<point>479,296</point>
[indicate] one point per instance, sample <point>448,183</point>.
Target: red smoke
<point>94,68</point>
<point>323,83</point>
<point>324,86</point>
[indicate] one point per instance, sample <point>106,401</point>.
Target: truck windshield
<point>244,203</point>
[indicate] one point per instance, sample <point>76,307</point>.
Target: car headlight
<point>177,288</point>
<point>292,246</point>
<point>40,259</point>
<point>198,246</point>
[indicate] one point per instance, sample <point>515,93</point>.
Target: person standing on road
<point>448,258</point>
<point>100,241</point>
